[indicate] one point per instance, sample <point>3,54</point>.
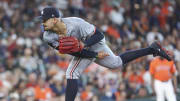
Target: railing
<point>153,98</point>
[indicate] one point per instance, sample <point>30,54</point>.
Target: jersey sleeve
<point>51,38</point>
<point>85,54</point>
<point>86,29</point>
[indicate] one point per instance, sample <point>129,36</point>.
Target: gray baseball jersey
<point>82,30</point>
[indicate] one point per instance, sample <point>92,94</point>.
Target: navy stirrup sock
<point>71,89</point>
<point>134,54</point>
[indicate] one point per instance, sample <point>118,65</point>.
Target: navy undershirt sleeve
<point>85,54</point>
<point>95,38</point>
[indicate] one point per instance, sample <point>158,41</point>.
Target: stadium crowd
<point>32,71</point>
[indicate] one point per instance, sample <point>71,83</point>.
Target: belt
<point>164,80</point>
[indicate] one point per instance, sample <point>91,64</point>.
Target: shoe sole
<point>162,50</point>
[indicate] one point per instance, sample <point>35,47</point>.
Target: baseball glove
<point>69,45</point>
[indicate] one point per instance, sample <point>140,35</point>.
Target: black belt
<point>164,80</point>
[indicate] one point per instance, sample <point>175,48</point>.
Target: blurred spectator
<point>142,92</point>
<point>28,62</point>
<point>42,91</point>
<point>107,93</point>
<point>120,94</point>
<point>32,80</point>
<point>87,94</point>
<point>154,35</point>
<point>147,82</point>
<point>29,94</point>
<point>76,7</point>
<point>116,16</point>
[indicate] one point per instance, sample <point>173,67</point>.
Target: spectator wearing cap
<point>153,35</point>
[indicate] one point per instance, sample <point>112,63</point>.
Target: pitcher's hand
<point>102,54</point>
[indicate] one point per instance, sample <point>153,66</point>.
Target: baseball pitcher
<point>84,41</point>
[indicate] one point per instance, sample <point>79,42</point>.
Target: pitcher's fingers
<point>106,54</point>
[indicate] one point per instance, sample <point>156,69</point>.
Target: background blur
<point>30,70</point>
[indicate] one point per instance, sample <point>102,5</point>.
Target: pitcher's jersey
<point>82,30</point>
<point>76,27</point>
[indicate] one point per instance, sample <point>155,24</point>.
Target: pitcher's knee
<point>115,66</point>
<point>117,63</point>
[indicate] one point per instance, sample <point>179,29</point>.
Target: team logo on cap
<point>42,12</point>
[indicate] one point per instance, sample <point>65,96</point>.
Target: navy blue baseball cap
<point>49,12</point>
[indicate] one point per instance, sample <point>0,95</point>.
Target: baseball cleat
<point>159,51</point>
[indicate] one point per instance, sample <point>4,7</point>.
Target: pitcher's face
<point>55,25</point>
<point>49,24</point>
